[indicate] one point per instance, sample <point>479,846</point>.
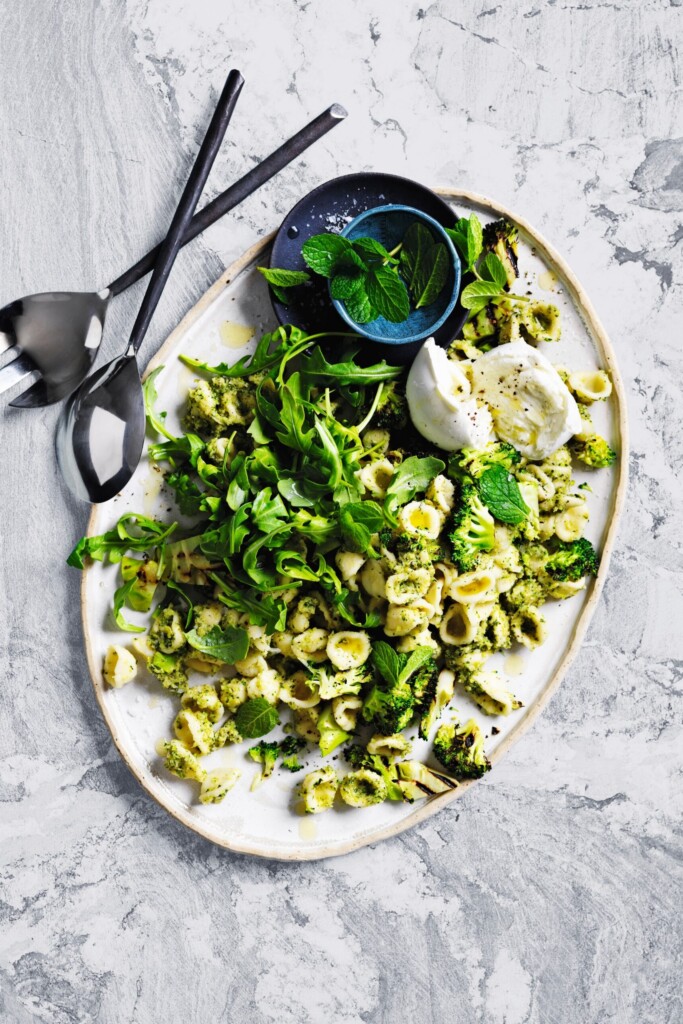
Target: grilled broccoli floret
<point>496,453</point>
<point>593,451</point>
<point>501,238</point>
<point>461,750</point>
<point>289,749</point>
<point>330,733</point>
<point>572,561</point>
<point>266,754</point>
<point>423,683</point>
<point>526,592</point>
<point>471,527</point>
<point>389,708</point>
<point>392,408</point>
<point>360,759</point>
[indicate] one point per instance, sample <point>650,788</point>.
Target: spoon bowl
<point>101,431</point>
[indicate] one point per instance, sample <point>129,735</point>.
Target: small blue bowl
<point>388,225</point>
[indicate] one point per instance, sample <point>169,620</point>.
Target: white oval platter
<point>266,823</point>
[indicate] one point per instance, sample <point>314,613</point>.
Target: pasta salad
<point>338,578</point>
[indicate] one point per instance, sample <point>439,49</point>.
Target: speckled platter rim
<point>432,806</point>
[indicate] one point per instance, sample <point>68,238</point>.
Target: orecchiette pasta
<point>349,649</point>
<point>590,385</point>
<point>376,477</point>
<point>120,666</point>
<point>345,711</point>
<point>459,624</point>
<point>422,518</point>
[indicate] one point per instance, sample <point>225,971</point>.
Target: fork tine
<point>36,396</point>
<point>16,370</point>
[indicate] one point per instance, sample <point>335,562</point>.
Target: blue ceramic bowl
<point>388,225</point>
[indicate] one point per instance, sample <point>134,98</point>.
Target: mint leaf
<point>284,278</point>
<point>417,659</point>
<point>387,662</point>
<point>370,248</point>
<point>491,269</point>
<point>467,236</point>
<point>255,718</point>
<point>228,645</point>
<point>478,294</point>
<point>413,475</point>
<point>388,294</point>
<point>359,307</point>
<point>322,252</point>
<point>344,285</point>
<point>431,276</point>
<point>501,494</point>
<point>417,243</point>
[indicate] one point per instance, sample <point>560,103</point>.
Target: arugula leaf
<point>314,365</point>
<point>269,352</point>
<point>228,645</point>
<point>293,491</point>
<point>257,431</point>
<point>501,494</point>
<point>188,447</point>
<point>323,252</point>
<point>251,557</point>
<point>346,603</point>
<point>115,543</point>
<point>255,718</point>
<point>413,475</point>
<point>121,596</point>
<point>172,585</point>
<point>284,278</point>
<point>149,391</point>
<point>187,495</point>
<point>294,565</point>
<point>358,520</point>
<point>267,512</point>
<point>468,238</point>
<point>262,609</point>
<point>388,294</point>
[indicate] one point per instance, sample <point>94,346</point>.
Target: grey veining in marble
<point>552,894</point>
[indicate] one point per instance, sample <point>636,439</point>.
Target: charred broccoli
<point>289,749</point>
<point>500,237</point>
<point>593,451</point>
<point>572,561</point>
<point>266,754</point>
<point>392,408</point>
<point>475,461</point>
<point>461,750</point>
<point>389,708</point>
<point>360,759</point>
<point>471,527</point>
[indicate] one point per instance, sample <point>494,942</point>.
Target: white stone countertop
<point>551,894</point>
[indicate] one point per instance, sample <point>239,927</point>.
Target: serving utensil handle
<point>169,248</point>
<point>243,188</point>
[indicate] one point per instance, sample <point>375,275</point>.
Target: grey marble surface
<point>550,895</point>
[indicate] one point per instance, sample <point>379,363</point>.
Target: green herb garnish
<point>256,718</point>
<point>501,494</point>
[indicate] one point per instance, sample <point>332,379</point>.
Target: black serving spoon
<point>58,334</point>
<point>101,430</point>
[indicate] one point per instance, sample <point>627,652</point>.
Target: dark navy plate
<point>330,207</point>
